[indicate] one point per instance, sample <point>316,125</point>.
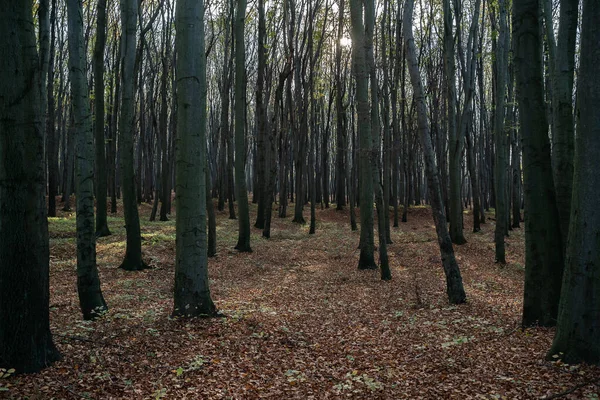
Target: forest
<point>299,199</point>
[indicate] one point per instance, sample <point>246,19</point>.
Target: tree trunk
<point>500,140</point>
<point>455,137</point>
<point>578,328</point>
<point>454,285</point>
<point>261,120</point>
<point>51,134</point>
<point>25,339</point>
<point>101,218</point>
<point>133,253</point>
<point>563,135</point>
<point>543,244</point>
<point>361,76</point>
<point>88,282</point>
<point>243,244</point>
<point>192,294</point>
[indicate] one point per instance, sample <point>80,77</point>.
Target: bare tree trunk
<point>454,285</point>
<point>91,300</point>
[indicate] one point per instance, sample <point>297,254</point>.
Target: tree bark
<point>25,339</point>
<point>133,253</point>
<point>578,329</point>
<point>243,244</point>
<point>101,207</point>
<point>91,299</point>
<point>192,294</point>
<point>543,242</point>
<point>454,285</point>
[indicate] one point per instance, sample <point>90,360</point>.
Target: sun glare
<point>346,42</point>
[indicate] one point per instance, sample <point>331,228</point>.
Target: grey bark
<point>91,299</point>
<point>454,285</point>
<point>192,293</point>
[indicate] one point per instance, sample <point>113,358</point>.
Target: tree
<point>564,128</point>
<point>98,62</point>
<point>500,138</point>
<point>454,285</point>
<point>361,76</point>
<point>51,137</point>
<point>25,339</point>
<point>261,119</point>
<point>543,243</point>
<point>578,328</point>
<point>455,136</point>
<point>192,293</point>
<point>88,282</point>
<point>133,253</point>
<point>243,244</point>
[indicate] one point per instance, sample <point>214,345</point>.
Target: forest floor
<point>301,321</point>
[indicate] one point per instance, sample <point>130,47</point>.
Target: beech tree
<point>88,283</point>
<point>454,285</point>
<point>543,241</point>
<point>133,253</point>
<point>578,328</point>
<point>25,339</point>
<point>243,244</point>
<point>192,293</point>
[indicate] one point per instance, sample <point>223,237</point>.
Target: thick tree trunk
<point>578,329</point>
<point>192,294</point>
<point>25,339</point>
<point>91,300</point>
<point>543,241</point>
<point>454,285</point>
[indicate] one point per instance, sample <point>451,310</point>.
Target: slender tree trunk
<point>243,244</point>
<point>133,253</point>
<point>455,137</point>
<point>563,136</point>
<point>361,75</point>
<point>51,134</point>
<point>500,139</point>
<point>88,282</point>
<point>454,285</point>
<point>340,174</point>
<point>101,219</point>
<point>261,120</point>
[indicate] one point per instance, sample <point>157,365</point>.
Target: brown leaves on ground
<point>302,322</point>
